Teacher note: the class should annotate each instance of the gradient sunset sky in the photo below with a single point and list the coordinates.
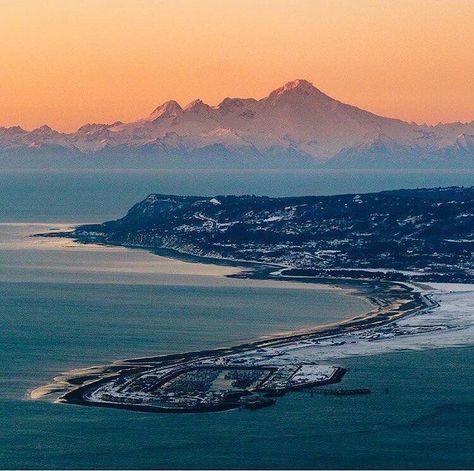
(68, 62)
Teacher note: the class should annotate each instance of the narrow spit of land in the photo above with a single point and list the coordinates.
(249, 375)
(374, 244)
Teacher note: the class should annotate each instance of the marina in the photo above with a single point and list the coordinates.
(229, 378)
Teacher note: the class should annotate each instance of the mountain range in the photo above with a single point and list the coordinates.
(296, 125)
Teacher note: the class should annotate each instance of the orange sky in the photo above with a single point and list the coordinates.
(66, 63)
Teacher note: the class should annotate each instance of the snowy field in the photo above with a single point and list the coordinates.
(450, 324)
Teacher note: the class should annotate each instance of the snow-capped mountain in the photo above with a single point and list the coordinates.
(296, 123)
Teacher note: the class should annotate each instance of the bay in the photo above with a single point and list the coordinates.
(96, 195)
(65, 306)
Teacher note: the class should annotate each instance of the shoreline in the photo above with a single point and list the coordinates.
(390, 300)
(122, 368)
(357, 287)
(259, 270)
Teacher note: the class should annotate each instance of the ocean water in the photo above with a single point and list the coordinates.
(64, 306)
(426, 420)
(97, 195)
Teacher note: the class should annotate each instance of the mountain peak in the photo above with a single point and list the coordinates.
(297, 121)
(298, 83)
(167, 110)
(230, 105)
(197, 106)
(44, 130)
(300, 86)
(13, 130)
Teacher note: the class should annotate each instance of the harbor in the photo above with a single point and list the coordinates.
(248, 376)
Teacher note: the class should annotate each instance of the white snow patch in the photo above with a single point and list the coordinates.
(452, 287)
(273, 218)
(451, 324)
(312, 373)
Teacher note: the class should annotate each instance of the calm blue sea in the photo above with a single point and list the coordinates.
(96, 195)
(64, 306)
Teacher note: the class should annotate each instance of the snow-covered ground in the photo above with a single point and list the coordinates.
(313, 373)
(450, 324)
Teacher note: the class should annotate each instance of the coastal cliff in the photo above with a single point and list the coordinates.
(424, 234)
